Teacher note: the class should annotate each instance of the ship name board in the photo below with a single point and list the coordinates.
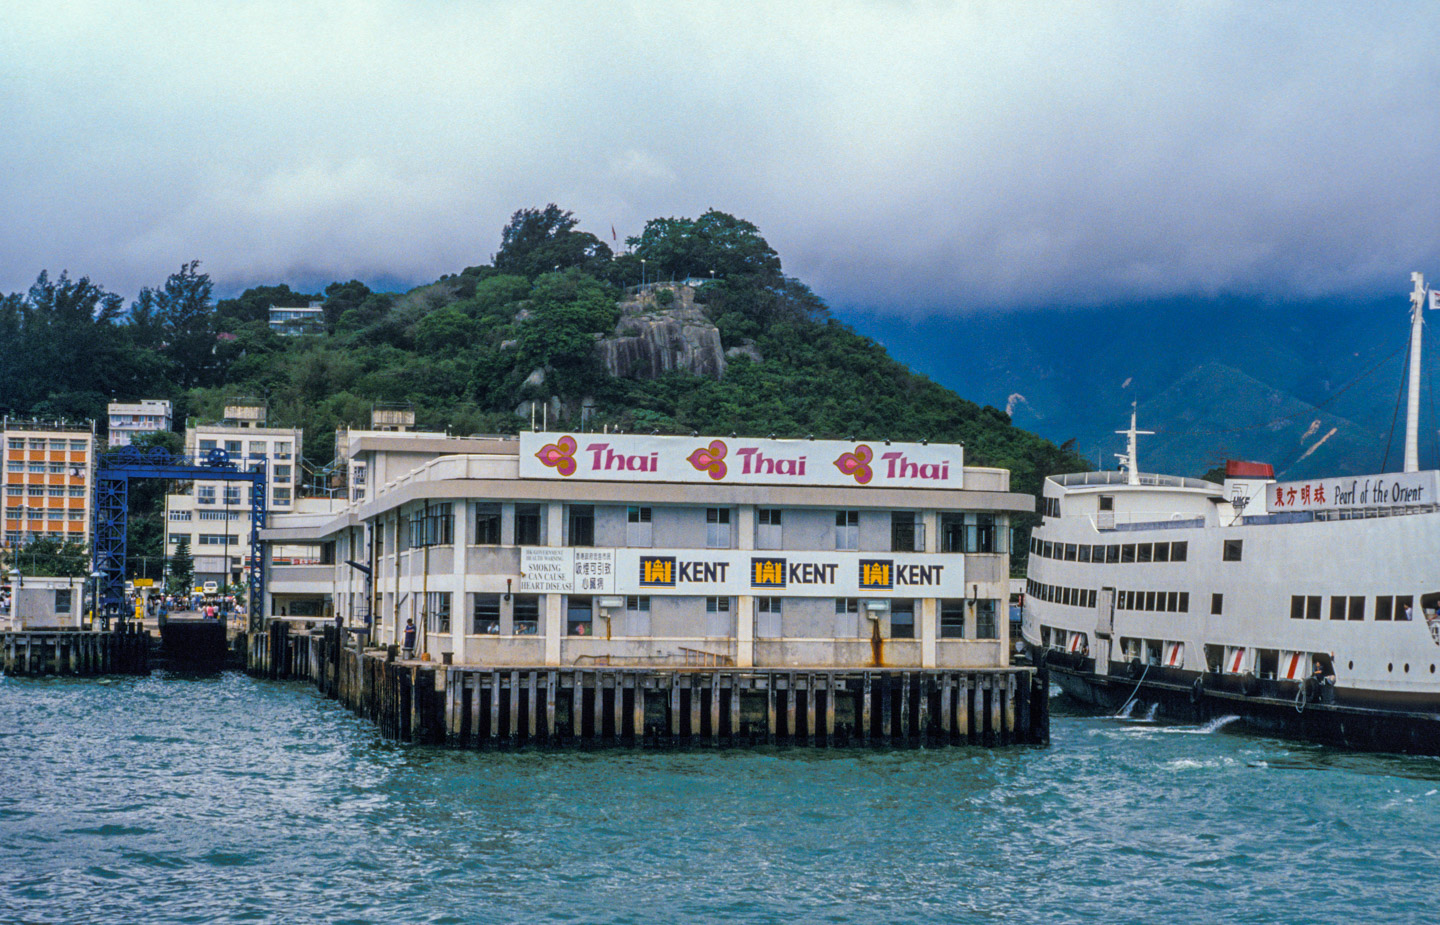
(740, 461)
(1359, 492)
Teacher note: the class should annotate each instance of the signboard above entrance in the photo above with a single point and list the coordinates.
(740, 461)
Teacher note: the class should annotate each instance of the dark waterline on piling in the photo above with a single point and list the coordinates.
(221, 798)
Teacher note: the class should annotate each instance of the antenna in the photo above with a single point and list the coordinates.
(1128, 459)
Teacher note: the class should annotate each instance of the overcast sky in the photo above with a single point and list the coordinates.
(917, 156)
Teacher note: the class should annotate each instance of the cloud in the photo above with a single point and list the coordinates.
(913, 156)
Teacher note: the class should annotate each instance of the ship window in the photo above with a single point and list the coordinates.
(1127, 552)
(1162, 552)
(1217, 603)
(1357, 608)
(1150, 601)
(1337, 608)
(1093, 594)
(1069, 597)
(1174, 602)
(1112, 554)
(1107, 502)
(1383, 607)
(1145, 552)
(1403, 604)
(1070, 552)
(1233, 550)
(1184, 601)
(1297, 607)
(1084, 552)
(1312, 607)
(1048, 551)
(1178, 550)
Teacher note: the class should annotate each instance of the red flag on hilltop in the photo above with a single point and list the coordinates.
(613, 236)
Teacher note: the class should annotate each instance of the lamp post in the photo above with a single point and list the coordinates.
(16, 580)
(642, 272)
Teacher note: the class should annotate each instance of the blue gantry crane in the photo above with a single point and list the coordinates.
(113, 473)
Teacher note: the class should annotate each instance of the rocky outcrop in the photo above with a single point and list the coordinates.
(653, 339)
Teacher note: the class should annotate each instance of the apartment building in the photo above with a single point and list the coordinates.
(48, 473)
(130, 420)
(216, 515)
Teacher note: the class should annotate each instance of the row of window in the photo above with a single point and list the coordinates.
(40, 513)
(1054, 594)
(1388, 607)
(959, 533)
(207, 539)
(41, 491)
(40, 443)
(281, 448)
(579, 615)
(234, 495)
(1110, 553)
(21, 537)
(54, 468)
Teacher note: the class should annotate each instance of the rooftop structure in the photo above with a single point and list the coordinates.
(292, 321)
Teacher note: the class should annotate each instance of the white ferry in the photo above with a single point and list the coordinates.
(1305, 608)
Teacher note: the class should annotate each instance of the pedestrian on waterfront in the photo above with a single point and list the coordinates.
(409, 638)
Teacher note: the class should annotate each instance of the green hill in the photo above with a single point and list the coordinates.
(471, 349)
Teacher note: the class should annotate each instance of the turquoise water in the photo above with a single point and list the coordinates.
(235, 800)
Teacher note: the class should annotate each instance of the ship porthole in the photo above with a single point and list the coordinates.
(1390, 666)
(1352, 665)
(1407, 667)
(1432, 669)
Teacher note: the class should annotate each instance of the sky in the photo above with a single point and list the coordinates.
(919, 158)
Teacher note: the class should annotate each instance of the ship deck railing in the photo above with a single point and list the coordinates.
(1150, 479)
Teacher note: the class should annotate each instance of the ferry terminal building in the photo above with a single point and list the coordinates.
(574, 549)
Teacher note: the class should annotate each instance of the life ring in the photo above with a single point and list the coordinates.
(1135, 668)
(1197, 690)
(1302, 696)
(1249, 684)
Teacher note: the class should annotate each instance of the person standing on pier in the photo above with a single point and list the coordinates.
(409, 638)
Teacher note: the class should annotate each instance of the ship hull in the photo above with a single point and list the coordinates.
(1274, 711)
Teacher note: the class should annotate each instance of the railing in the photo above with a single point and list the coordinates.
(1079, 479)
(701, 658)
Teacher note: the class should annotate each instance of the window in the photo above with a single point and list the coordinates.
(76, 492)
(1107, 502)
(216, 539)
(1384, 607)
(55, 492)
(206, 446)
(579, 616)
(205, 494)
(1127, 552)
(58, 445)
(637, 615)
(1234, 549)
(1403, 605)
(232, 494)
(767, 617)
(487, 523)
(282, 449)
(175, 538)
(437, 606)
(1312, 607)
(1070, 553)
(952, 619)
(35, 491)
(906, 535)
(717, 605)
(581, 525)
(987, 624)
(1085, 552)
(282, 473)
(717, 527)
(847, 605)
(902, 619)
(16, 444)
(1144, 552)
(527, 615)
(487, 615)
(1178, 550)
(257, 449)
(63, 600)
(847, 529)
(1357, 608)
(639, 530)
(529, 525)
(14, 491)
(1162, 552)
(1217, 604)
(767, 528)
(281, 496)
(232, 447)
(1337, 607)
(847, 617)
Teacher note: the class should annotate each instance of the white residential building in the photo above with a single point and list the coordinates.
(129, 420)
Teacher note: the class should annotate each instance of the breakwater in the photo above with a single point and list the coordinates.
(76, 652)
(471, 707)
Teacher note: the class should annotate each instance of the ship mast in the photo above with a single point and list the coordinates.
(1412, 405)
(1128, 459)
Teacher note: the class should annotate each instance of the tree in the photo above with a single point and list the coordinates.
(51, 558)
(182, 568)
(183, 307)
(541, 241)
(678, 248)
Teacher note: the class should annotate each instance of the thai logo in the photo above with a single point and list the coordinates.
(559, 455)
(857, 464)
(710, 459)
